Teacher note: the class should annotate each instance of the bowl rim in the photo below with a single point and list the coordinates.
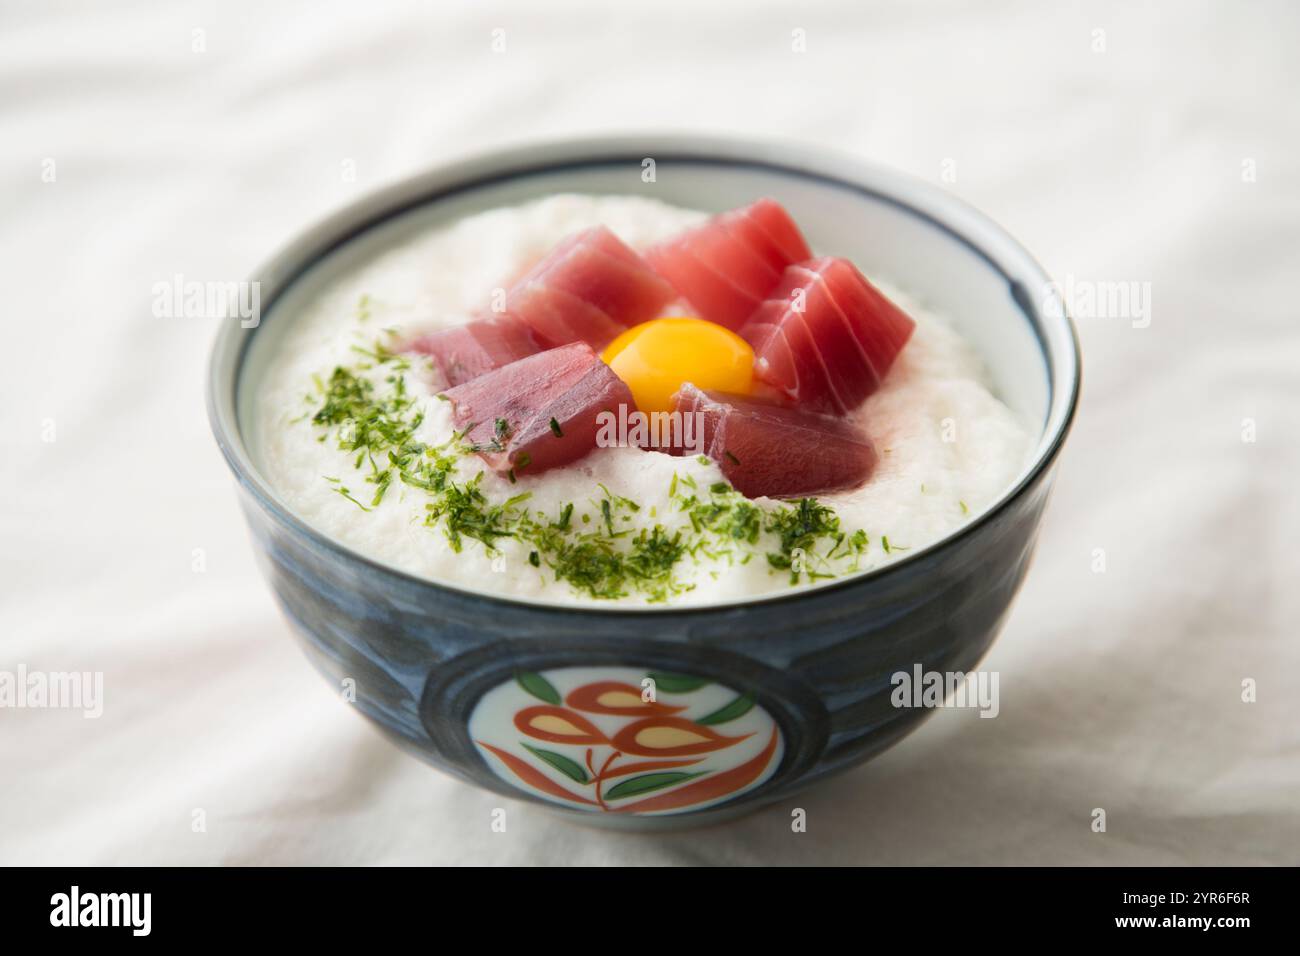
(938, 207)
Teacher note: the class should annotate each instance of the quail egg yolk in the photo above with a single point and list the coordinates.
(657, 357)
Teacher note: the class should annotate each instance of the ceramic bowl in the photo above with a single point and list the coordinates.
(752, 700)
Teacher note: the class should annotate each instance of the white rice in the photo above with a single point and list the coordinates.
(949, 448)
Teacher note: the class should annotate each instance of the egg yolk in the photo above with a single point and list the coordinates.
(657, 357)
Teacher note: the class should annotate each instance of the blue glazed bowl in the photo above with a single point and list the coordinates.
(751, 700)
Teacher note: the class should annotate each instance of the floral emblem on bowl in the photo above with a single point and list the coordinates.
(625, 740)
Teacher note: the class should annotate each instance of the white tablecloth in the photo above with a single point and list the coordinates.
(1156, 144)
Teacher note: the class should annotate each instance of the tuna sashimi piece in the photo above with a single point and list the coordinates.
(779, 229)
(726, 267)
(821, 334)
(716, 294)
(826, 337)
(779, 451)
(556, 317)
(786, 357)
(589, 288)
(540, 411)
(882, 328)
(464, 352)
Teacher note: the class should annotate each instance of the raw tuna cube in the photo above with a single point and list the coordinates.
(787, 359)
(777, 228)
(465, 352)
(539, 412)
(776, 450)
(881, 327)
(589, 288)
(709, 290)
(816, 357)
(729, 265)
(826, 337)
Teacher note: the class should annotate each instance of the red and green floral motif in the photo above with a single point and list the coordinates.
(608, 745)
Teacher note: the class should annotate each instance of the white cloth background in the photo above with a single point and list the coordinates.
(1116, 155)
